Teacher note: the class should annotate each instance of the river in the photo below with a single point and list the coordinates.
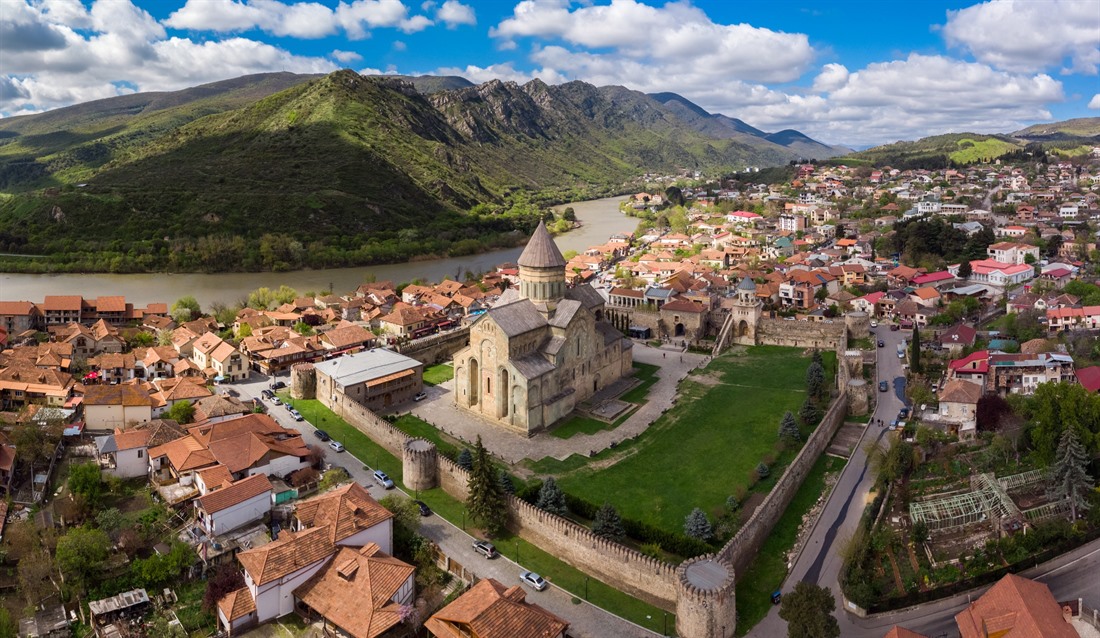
(600, 218)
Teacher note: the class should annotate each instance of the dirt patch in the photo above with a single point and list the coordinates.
(709, 379)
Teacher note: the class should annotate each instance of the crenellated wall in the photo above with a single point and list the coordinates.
(801, 334)
(438, 348)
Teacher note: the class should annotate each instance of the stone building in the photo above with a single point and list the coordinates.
(541, 351)
(376, 378)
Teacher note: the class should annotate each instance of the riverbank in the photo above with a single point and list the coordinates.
(598, 219)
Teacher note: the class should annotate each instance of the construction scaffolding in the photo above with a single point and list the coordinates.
(1049, 510)
(1023, 480)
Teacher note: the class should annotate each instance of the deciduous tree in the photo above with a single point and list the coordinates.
(808, 611)
(227, 578)
(182, 412)
(82, 551)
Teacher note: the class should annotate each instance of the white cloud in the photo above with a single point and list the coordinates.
(1094, 103)
(296, 19)
(398, 45)
(346, 56)
(454, 13)
(1028, 36)
(832, 76)
(670, 39)
(125, 49)
(506, 72)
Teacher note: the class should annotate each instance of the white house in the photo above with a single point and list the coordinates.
(272, 572)
(235, 505)
(124, 454)
(356, 518)
(107, 407)
(1010, 252)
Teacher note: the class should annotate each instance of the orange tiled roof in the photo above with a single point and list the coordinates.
(346, 510)
(132, 439)
(110, 304)
(16, 308)
(490, 610)
(215, 477)
(72, 303)
(237, 604)
(902, 632)
(1015, 607)
(356, 590)
(234, 494)
(292, 552)
(184, 454)
(129, 394)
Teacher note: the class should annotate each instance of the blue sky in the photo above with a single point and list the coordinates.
(852, 72)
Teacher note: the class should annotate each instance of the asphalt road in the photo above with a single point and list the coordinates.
(1069, 576)
(586, 620)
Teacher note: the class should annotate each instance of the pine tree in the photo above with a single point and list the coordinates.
(696, 525)
(465, 459)
(816, 358)
(762, 469)
(809, 413)
(551, 498)
(965, 269)
(608, 524)
(506, 484)
(815, 379)
(914, 352)
(1070, 475)
(486, 501)
(788, 428)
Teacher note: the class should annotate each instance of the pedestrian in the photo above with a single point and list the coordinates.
(681, 358)
(664, 355)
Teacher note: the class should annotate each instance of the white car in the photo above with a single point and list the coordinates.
(336, 445)
(534, 580)
(874, 324)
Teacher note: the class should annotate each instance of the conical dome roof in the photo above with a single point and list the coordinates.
(541, 251)
(746, 284)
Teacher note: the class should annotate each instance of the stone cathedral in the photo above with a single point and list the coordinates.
(540, 351)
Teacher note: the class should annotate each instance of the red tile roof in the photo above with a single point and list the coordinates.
(1089, 378)
(491, 610)
(235, 494)
(237, 604)
(1015, 608)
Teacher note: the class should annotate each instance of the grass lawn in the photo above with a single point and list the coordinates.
(439, 373)
(645, 373)
(449, 508)
(767, 571)
(730, 412)
(415, 426)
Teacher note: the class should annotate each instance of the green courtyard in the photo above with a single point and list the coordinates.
(706, 447)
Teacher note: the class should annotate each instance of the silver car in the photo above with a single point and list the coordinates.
(534, 580)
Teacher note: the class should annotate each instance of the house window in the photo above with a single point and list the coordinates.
(141, 454)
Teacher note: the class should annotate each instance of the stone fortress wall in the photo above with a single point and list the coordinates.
(437, 348)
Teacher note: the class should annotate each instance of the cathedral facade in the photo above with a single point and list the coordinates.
(542, 350)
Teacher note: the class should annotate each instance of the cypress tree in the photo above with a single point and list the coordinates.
(486, 501)
(914, 352)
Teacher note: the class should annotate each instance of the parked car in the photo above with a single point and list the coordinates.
(903, 414)
(874, 324)
(321, 434)
(267, 394)
(297, 415)
(277, 385)
(881, 343)
(894, 327)
(420, 396)
(534, 580)
(383, 480)
(883, 386)
(276, 401)
(486, 549)
(336, 445)
(423, 507)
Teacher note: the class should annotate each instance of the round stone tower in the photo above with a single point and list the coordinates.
(542, 270)
(859, 397)
(858, 324)
(705, 604)
(419, 470)
(303, 381)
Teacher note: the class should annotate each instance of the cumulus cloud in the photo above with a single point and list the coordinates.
(453, 13)
(1094, 103)
(120, 49)
(670, 39)
(832, 76)
(346, 56)
(1029, 36)
(295, 19)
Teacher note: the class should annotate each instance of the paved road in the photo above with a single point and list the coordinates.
(586, 620)
(1069, 576)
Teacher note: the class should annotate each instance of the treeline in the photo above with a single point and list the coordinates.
(935, 242)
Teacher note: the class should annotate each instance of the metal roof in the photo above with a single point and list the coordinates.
(352, 369)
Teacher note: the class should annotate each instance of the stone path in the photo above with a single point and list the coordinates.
(439, 410)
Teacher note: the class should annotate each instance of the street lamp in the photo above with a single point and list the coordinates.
(517, 550)
(464, 519)
(586, 587)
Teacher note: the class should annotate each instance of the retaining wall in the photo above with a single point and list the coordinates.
(801, 334)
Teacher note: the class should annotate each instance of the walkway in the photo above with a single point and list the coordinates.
(439, 410)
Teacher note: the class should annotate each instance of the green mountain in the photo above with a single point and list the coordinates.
(1080, 127)
(282, 171)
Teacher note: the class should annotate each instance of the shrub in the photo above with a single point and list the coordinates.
(762, 470)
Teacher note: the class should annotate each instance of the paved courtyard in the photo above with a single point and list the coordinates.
(439, 410)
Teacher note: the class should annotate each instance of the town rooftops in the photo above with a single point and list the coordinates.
(234, 494)
(59, 303)
(1089, 378)
(362, 367)
(292, 552)
(237, 604)
(347, 510)
(960, 391)
(126, 394)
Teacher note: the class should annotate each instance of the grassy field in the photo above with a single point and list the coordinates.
(533, 558)
(440, 373)
(975, 150)
(730, 412)
(767, 571)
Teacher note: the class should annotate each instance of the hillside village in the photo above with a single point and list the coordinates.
(990, 270)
